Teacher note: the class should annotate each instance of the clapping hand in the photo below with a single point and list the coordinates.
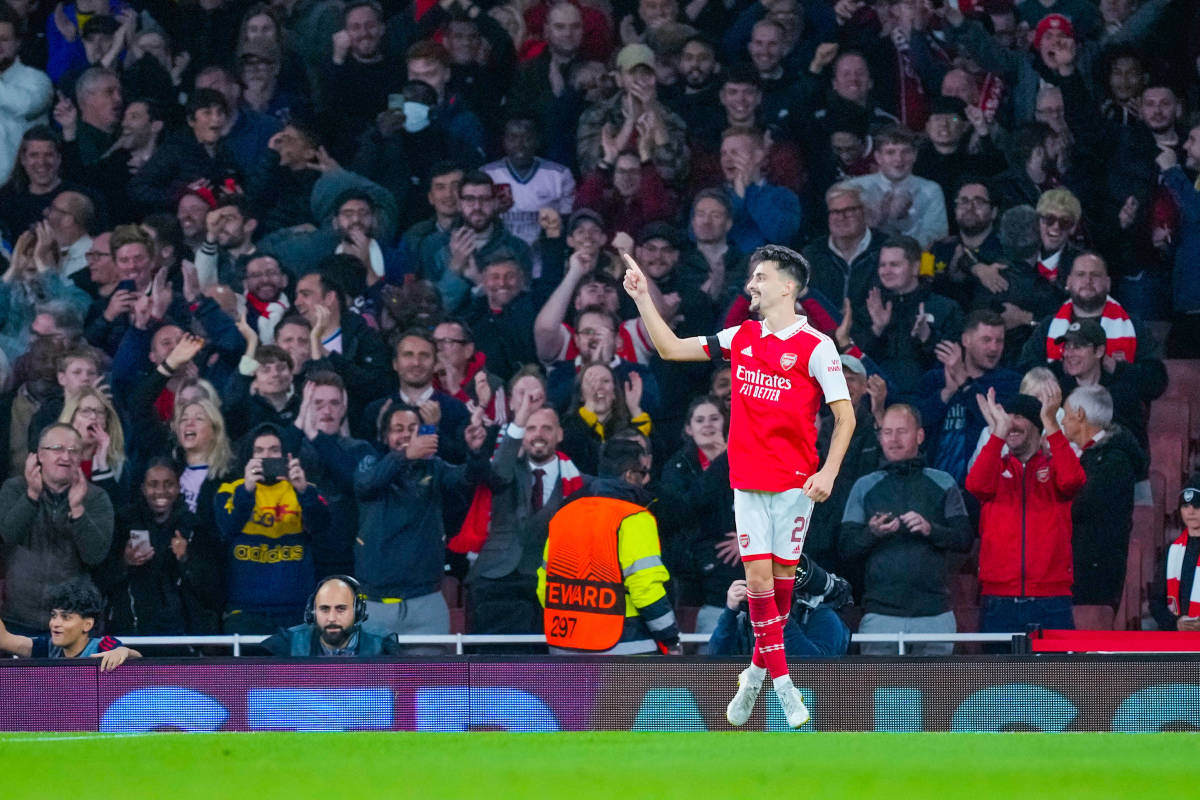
(999, 420)
(879, 311)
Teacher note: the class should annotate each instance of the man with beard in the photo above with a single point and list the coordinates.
(946, 394)
(356, 224)
(976, 250)
(696, 97)
(333, 626)
(25, 92)
(1088, 286)
(532, 479)
(228, 242)
(457, 266)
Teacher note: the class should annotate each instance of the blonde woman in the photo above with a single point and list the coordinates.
(91, 413)
(199, 430)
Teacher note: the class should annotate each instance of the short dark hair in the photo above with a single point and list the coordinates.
(982, 316)
(77, 596)
(910, 246)
(10, 16)
(414, 333)
(1028, 138)
(430, 50)
(477, 177)
(467, 333)
(974, 180)
(787, 261)
(354, 5)
(353, 194)
(326, 377)
(205, 98)
(612, 318)
(619, 456)
(270, 353)
(329, 283)
(742, 73)
(895, 134)
(441, 168)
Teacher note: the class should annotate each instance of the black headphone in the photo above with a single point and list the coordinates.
(360, 600)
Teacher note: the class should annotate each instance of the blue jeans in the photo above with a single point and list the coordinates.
(823, 635)
(1014, 614)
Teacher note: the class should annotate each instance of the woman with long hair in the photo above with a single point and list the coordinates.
(199, 431)
(601, 406)
(92, 415)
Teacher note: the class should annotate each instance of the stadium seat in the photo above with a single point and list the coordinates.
(1169, 418)
(1165, 456)
(1183, 380)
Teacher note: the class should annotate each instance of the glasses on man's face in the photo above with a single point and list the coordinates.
(848, 211)
(58, 449)
(443, 342)
(977, 202)
(1050, 221)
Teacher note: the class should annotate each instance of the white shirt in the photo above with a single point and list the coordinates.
(190, 482)
(74, 258)
(926, 221)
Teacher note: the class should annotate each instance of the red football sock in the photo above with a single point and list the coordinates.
(768, 633)
(783, 598)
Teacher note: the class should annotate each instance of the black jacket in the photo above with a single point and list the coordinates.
(177, 162)
(400, 549)
(901, 356)
(365, 365)
(300, 641)
(906, 572)
(1187, 577)
(694, 512)
(835, 279)
(505, 337)
(164, 596)
(1102, 517)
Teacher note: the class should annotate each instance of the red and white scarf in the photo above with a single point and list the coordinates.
(1116, 324)
(1174, 570)
(475, 527)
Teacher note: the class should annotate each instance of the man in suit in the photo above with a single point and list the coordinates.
(530, 481)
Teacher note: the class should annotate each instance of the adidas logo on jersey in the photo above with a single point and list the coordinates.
(746, 351)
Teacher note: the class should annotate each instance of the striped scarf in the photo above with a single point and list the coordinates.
(1116, 323)
(1174, 570)
(474, 531)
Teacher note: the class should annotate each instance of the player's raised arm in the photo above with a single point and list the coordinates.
(668, 345)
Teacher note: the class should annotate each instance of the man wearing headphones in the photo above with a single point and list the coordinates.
(333, 625)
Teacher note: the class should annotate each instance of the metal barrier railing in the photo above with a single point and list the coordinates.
(459, 640)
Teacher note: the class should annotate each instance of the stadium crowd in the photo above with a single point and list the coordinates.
(317, 288)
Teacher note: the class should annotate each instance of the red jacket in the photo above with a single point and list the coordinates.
(1025, 521)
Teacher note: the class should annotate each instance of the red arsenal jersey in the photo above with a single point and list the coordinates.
(779, 380)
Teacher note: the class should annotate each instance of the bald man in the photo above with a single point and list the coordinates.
(332, 626)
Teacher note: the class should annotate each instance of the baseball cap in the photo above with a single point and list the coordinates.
(1190, 496)
(853, 364)
(632, 55)
(1027, 406)
(1052, 22)
(660, 230)
(581, 215)
(1085, 331)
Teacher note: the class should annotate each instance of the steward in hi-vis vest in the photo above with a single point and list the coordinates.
(602, 583)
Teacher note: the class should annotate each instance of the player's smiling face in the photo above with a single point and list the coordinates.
(768, 288)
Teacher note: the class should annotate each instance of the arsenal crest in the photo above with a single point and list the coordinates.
(787, 360)
(744, 538)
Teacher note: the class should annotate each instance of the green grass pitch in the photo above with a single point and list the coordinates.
(697, 766)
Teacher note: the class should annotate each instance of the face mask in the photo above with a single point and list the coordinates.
(416, 116)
